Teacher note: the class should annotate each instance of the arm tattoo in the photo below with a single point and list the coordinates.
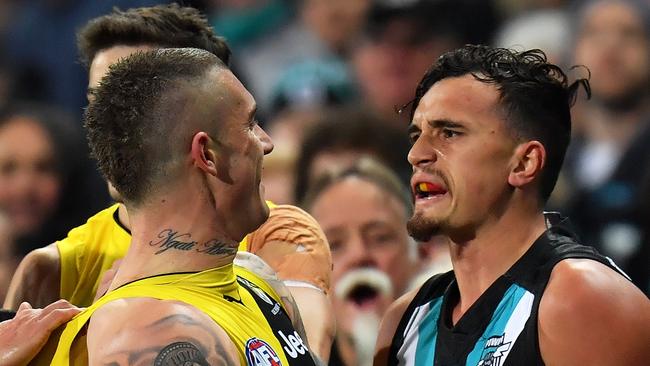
(170, 239)
(224, 357)
(187, 350)
(180, 354)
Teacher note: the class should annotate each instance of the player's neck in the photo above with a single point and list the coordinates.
(178, 234)
(498, 243)
(123, 216)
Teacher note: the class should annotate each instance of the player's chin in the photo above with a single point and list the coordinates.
(422, 227)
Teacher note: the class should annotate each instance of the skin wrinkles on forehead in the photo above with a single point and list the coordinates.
(379, 195)
(492, 106)
(366, 227)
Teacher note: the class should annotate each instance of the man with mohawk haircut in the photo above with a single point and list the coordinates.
(175, 133)
(290, 241)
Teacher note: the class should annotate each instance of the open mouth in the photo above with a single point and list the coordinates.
(363, 294)
(425, 190)
(364, 288)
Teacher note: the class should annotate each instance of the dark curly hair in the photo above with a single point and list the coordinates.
(535, 96)
(168, 26)
(132, 123)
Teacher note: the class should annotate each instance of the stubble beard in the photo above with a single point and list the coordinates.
(422, 228)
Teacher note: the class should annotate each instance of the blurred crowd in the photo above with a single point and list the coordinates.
(333, 80)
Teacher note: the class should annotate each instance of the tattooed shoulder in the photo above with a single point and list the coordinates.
(163, 333)
(180, 354)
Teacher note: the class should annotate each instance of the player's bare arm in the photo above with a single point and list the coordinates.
(318, 319)
(591, 315)
(36, 280)
(145, 331)
(388, 326)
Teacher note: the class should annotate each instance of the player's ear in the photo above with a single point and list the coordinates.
(211, 157)
(528, 161)
(203, 157)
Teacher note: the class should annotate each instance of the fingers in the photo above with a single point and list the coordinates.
(60, 304)
(57, 317)
(57, 313)
(24, 306)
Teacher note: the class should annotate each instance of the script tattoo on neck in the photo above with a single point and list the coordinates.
(216, 247)
(170, 239)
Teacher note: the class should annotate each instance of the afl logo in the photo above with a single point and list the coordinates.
(260, 353)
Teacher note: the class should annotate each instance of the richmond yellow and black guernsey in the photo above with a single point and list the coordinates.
(242, 303)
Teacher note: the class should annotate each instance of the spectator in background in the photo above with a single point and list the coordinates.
(40, 42)
(8, 257)
(6, 80)
(605, 165)
(279, 173)
(322, 31)
(40, 48)
(399, 41)
(513, 8)
(299, 100)
(336, 22)
(343, 136)
(36, 153)
(546, 29)
(312, 85)
(244, 22)
(363, 211)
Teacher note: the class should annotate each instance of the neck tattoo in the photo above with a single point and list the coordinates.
(170, 239)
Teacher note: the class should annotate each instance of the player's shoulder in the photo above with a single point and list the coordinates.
(42, 260)
(389, 324)
(36, 279)
(575, 283)
(590, 312)
(39, 265)
(288, 223)
(285, 211)
(396, 310)
(136, 326)
(135, 310)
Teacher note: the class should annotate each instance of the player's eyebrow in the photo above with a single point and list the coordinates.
(440, 123)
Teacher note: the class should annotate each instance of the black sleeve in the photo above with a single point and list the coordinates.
(6, 314)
